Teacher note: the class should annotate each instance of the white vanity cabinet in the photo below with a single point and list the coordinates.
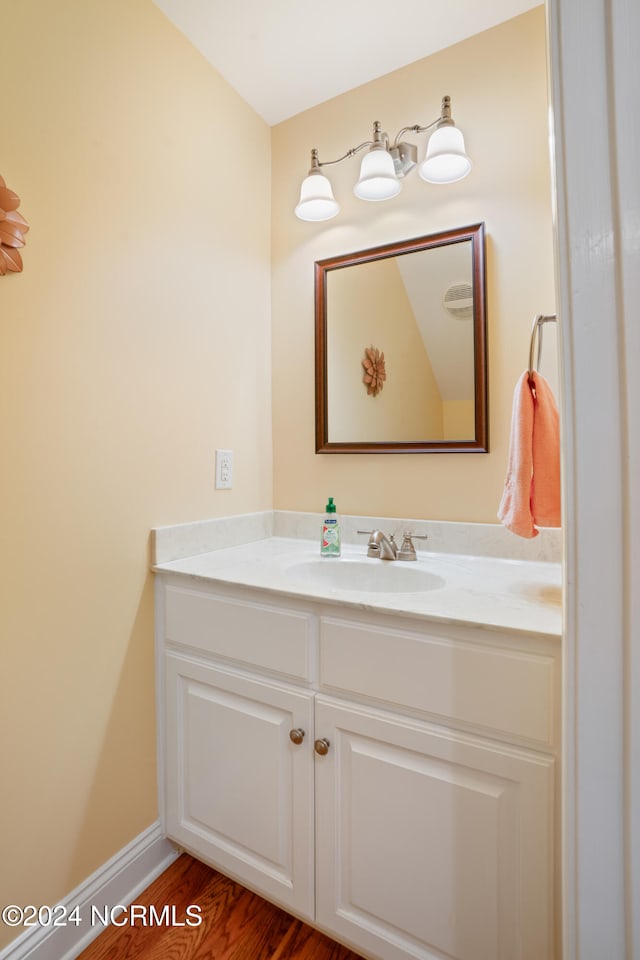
(421, 825)
(239, 792)
(430, 844)
(237, 789)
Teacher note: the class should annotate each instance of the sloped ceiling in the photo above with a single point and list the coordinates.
(284, 56)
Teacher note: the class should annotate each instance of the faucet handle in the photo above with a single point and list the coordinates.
(407, 551)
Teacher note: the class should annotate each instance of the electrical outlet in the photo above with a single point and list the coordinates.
(224, 469)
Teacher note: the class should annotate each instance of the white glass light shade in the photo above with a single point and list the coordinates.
(446, 160)
(378, 179)
(316, 199)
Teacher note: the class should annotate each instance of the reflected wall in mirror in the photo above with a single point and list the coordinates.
(422, 304)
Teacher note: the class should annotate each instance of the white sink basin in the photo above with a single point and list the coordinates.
(364, 575)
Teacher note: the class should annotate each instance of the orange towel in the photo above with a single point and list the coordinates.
(532, 488)
(545, 483)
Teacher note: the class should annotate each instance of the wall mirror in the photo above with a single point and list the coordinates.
(401, 347)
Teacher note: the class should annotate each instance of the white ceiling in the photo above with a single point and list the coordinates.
(284, 56)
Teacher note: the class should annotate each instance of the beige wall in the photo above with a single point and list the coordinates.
(136, 340)
(497, 81)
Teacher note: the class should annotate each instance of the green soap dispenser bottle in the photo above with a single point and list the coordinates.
(330, 540)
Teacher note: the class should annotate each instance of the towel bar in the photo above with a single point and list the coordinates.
(537, 329)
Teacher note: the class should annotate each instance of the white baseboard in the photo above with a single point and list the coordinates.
(118, 881)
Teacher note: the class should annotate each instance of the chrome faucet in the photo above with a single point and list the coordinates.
(381, 546)
(385, 548)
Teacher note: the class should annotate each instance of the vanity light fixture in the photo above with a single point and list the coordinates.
(384, 166)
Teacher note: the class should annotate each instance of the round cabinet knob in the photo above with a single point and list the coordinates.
(296, 736)
(322, 747)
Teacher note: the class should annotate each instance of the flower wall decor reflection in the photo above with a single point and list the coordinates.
(374, 370)
(13, 227)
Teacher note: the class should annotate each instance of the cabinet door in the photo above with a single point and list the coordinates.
(431, 844)
(238, 791)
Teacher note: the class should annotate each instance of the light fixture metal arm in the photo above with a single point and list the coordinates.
(350, 153)
(379, 138)
(416, 128)
(444, 120)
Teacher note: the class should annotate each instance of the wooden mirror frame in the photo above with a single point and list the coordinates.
(480, 444)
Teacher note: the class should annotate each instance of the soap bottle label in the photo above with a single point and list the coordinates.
(330, 544)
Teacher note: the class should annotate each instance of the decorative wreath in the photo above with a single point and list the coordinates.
(374, 370)
(13, 227)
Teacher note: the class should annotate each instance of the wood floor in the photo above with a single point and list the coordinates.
(236, 924)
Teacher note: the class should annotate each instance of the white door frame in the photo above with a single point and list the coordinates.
(595, 97)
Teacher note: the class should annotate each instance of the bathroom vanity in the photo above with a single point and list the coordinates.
(378, 756)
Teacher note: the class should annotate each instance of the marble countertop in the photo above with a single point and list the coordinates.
(501, 594)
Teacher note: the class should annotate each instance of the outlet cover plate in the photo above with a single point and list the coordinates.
(224, 469)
